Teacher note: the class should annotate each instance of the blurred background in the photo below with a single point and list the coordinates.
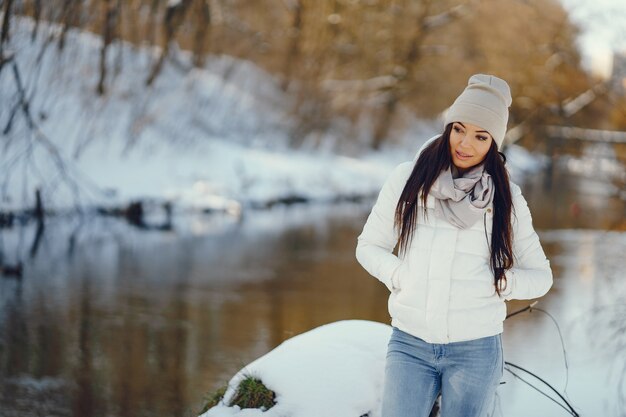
(182, 183)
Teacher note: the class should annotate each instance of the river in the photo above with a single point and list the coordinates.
(109, 320)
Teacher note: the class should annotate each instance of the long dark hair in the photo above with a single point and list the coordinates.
(435, 158)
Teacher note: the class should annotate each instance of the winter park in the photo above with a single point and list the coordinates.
(198, 201)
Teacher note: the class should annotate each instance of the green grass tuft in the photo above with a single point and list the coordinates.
(213, 399)
(251, 393)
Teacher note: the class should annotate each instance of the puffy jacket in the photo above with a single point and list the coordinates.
(442, 289)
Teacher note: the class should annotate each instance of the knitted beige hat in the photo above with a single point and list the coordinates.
(484, 102)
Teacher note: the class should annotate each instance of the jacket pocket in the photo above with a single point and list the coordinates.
(397, 276)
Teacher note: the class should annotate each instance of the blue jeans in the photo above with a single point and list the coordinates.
(465, 373)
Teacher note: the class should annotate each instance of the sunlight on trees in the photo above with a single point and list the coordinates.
(368, 62)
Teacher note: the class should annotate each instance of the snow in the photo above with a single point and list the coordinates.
(214, 138)
(333, 370)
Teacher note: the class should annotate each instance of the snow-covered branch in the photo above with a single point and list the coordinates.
(442, 19)
(371, 84)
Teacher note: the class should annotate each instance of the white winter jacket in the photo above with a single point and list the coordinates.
(442, 290)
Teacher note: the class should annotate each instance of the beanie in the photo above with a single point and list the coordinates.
(484, 102)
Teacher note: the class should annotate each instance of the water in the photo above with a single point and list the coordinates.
(112, 321)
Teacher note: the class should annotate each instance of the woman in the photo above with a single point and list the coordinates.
(465, 245)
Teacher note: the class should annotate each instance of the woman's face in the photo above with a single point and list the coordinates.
(469, 145)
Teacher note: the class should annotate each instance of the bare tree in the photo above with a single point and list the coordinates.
(37, 10)
(174, 17)
(152, 22)
(368, 61)
(6, 21)
(403, 69)
(70, 18)
(111, 11)
(202, 22)
(295, 30)
(38, 139)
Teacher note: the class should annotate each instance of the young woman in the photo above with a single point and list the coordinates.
(465, 245)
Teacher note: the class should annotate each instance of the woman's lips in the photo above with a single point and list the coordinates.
(462, 155)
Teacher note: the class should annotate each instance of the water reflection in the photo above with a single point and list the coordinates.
(151, 321)
(574, 203)
(109, 320)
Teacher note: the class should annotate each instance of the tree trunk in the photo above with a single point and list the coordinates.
(202, 17)
(173, 18)
(36, 18)
(6, 21)
(71, 12)
(410, 60)
(293, 51)
(384, 122)
(110, 14)
(154, 8)
(39, 213)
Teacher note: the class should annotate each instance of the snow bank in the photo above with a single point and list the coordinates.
(214, 138)
(335, 370)
(209, 138)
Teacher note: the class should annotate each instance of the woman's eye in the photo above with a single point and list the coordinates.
(483, 138)
(457, 129)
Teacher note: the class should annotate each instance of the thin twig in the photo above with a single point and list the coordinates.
(571, 409)
(558, 328)
(539, 391)
(528, 307)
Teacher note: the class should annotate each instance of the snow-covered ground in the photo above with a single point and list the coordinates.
(333, 370)
(211, 138)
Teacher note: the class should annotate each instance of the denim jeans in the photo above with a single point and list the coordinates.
(465, 373)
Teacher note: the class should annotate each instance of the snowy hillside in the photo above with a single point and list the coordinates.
(202, 139)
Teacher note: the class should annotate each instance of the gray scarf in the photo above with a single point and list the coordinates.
(462, 201)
